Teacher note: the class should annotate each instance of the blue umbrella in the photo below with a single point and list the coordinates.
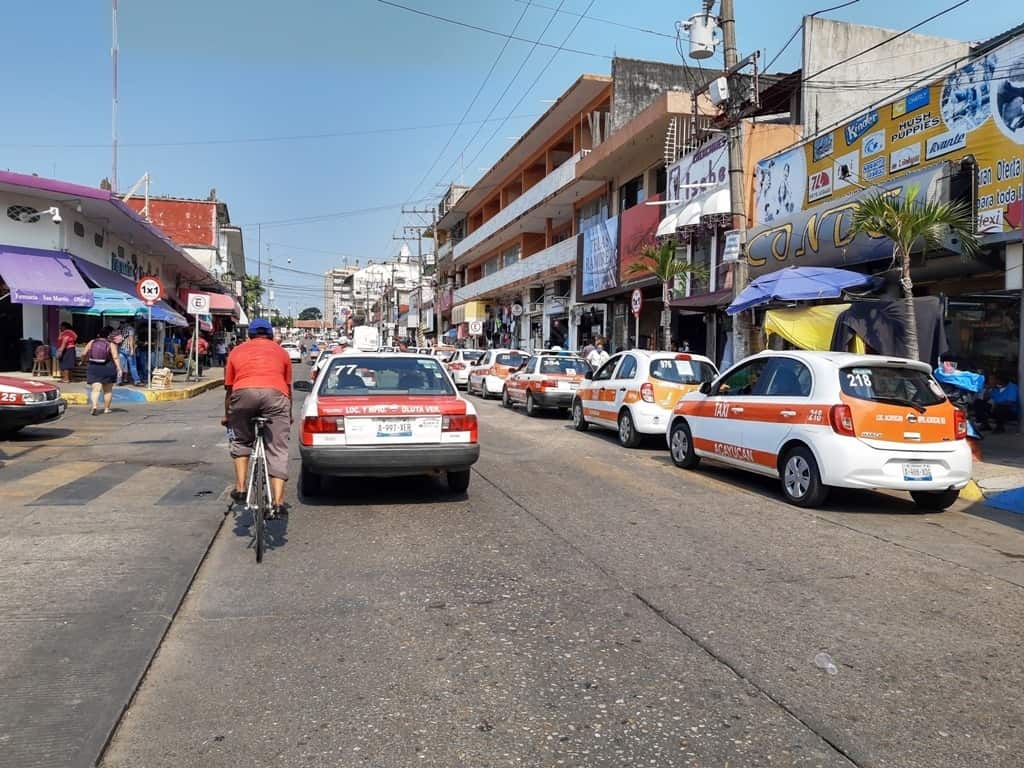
(110, 303)
(799, 284)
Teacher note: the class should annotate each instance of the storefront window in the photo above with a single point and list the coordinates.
(983, 332)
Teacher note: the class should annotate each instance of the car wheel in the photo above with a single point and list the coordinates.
(801, 480)
(458, 482)
(483, 389)
(681, 446)
(531, 406)
(936, 501)
(505, 400)
(312, 483)
(579, 423)
(628, 435)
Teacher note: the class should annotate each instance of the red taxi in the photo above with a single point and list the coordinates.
(548, 380)
(26, 402)
(377, 414)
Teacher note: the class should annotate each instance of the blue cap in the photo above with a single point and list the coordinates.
(260, 326)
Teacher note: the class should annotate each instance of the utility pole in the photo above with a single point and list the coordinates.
(419, 229)
(741, 322)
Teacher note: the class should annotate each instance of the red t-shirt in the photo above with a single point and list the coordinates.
(67, 339)
(259, 364)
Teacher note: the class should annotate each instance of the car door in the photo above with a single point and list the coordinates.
(624, 387)
(717, 425)
(779, 404)
(476, 373)
(518, 381)
(595, 406)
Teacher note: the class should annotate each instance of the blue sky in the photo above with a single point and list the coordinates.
(234, 70)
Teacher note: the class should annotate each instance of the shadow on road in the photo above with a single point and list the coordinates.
(277, 529)
(342, 492)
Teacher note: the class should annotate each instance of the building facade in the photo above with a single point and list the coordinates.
(339, 295)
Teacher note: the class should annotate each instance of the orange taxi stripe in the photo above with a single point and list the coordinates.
(597, 413)
(736, 452)
(766, 412)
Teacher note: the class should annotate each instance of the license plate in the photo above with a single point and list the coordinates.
(566, 385)
(394, 429)
(368, 431)
(917, 471)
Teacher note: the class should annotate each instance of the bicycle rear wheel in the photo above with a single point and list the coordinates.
(261, 506)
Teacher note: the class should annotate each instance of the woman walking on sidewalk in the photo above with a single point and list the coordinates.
(104, 369)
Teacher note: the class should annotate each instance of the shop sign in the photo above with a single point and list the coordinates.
(824, 236)
(597, 255)
(844, 169)
(990, 220)
(733, 244)
(978, 110)
(696, 173)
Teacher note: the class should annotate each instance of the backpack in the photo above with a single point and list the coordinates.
(99, 352)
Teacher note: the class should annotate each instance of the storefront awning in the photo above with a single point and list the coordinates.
(111, 303)
(220, 304)
(704, 301)
(667, 226)
(104, 278)
(36, 276)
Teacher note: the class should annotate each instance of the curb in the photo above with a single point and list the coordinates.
(165, 395)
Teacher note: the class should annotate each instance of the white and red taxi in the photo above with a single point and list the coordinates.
(26, 402)
(634, 392)
(548, 380)
(818, 420)
(488, 375)
(460, 362)
(386, 414)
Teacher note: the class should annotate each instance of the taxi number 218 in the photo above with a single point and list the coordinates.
(815, 416)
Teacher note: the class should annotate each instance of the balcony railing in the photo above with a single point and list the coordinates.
(561, 254)
(561, 177)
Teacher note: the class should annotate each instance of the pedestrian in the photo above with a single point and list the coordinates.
(598, 356)
(1000, 403)
(585, 352)
(103, 368)
(222, 352)
(203, 348)
(128, 350)
(66, 351)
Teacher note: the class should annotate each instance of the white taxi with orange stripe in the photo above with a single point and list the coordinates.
(377, 414)
(818, 420)
(488, 375)
(634, 392)
(548, 380)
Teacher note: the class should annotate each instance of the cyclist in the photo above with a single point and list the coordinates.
(258, 382)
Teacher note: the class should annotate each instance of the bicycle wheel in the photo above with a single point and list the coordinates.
(262, 503)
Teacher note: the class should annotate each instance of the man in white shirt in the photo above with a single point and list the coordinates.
(598, 357)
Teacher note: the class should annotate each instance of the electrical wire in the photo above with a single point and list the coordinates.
(258, 139)
(603, 21)
(490, 31)
(801, 26)
(327, 216)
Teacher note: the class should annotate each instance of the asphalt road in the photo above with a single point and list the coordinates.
(588, 605)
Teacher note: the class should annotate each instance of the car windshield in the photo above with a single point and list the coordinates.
(894, 385)
(678, 371)
(510, 359)
(376, 376)
(472, 355)
(569, 366)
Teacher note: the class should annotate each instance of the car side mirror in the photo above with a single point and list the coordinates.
(705, 388)
(588, 375)
(303, 386)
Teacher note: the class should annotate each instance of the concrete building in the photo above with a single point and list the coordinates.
(380, 291)
(339, 293)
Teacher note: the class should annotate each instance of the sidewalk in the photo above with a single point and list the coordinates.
(77, 393)
(999, 477)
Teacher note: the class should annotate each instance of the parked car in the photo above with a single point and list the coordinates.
(26, 402)
(460, 362)
(386, 415)
(548, 380)
(488, 375)
(634, 392)
(818, 420)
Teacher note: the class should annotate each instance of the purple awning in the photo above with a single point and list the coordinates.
(36, 276)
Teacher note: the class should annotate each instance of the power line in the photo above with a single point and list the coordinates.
(888, 40)
(259, 139)
(490, 31)
(472, 102)
(801, 26)
(536, 79)
(603, 21)
(327, 216)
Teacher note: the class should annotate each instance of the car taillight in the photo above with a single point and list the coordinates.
(959, 424)
(465, 423)
(456, 366)
(549, 384)
(841, 418)
(647, 392)
(320, 425)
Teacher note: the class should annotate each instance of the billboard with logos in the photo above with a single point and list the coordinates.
(598, 257)
(976, 110)
(694, 174)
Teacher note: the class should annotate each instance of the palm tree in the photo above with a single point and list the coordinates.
(252, 294)
(912, 222)
(661, 261)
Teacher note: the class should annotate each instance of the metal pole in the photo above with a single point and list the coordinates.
(149, 346)
(741, 322)
(195, 346)
(636, 338)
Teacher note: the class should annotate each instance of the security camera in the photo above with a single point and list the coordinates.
(55, 212)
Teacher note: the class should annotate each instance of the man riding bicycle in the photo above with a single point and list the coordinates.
(258, 383)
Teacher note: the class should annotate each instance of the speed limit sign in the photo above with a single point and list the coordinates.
(636, 302)
(150, 290)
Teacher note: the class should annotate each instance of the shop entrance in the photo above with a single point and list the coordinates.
(11, 330)
(983, 330)
(692, 330)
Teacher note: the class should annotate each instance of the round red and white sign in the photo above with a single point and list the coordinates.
(150, 290)
(636, 302)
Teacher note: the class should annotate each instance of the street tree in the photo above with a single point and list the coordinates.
(663, 262)
(913, 222)
(311, 313)
(252, 294)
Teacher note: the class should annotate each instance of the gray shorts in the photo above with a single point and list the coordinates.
(246, 404)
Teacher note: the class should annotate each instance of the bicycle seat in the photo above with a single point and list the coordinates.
(260, 421)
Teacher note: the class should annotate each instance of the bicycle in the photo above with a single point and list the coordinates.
(257, 494)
